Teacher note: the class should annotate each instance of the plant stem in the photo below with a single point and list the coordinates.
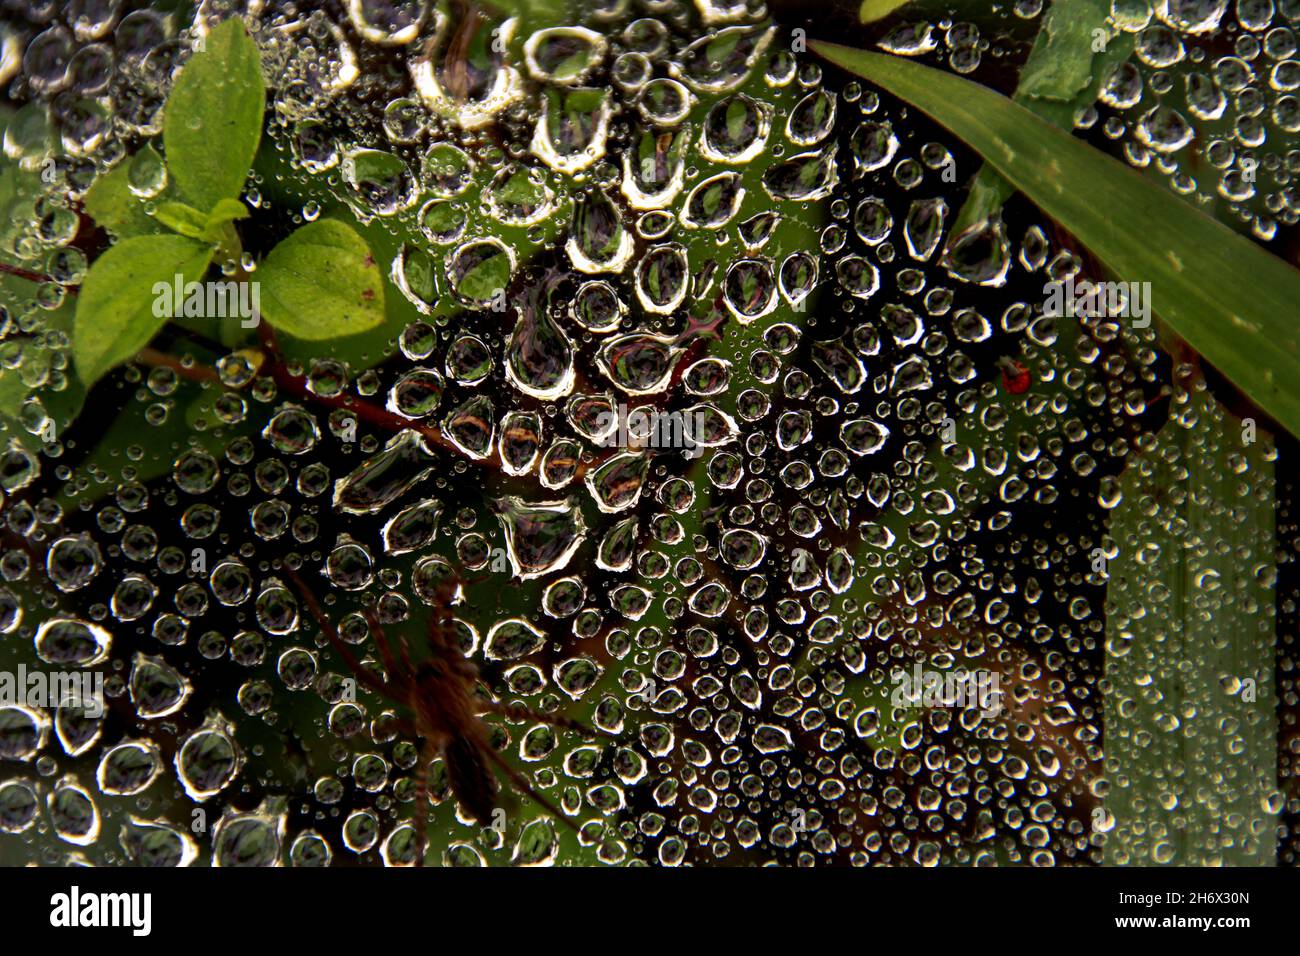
(297, 386)
(30, 276)
(373, 414)
(195, 373)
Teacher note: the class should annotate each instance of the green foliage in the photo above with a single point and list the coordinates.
(213, 118)
(188, 221)
(1175, 677)
(322, 283)
(110, 202)
(227, 210)
(1230, 299)
(1064, 62)
(1061, 78)
(183, 219)
(116, 310)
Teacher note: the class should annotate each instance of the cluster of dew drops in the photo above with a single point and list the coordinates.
(868, 487)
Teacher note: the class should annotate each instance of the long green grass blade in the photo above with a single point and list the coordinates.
(1232, 301)
(1190, 704)
(1075, 51)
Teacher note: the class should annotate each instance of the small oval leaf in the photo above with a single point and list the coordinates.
(116, 314)
(111, 204)
(213, 118)
(183, 219)
(322, 282)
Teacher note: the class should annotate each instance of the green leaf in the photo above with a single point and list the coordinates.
(1060, 65)
(112, 205)
(184, 219)
(227, 210)
(1232, 301)
(1062, 76)
(116, 307)
(873, 10)
(1190, 702)
(210, 227)
(322, 282)
(213, 118)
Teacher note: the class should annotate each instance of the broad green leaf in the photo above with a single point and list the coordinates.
(188, 221)
(1190, 703)
(322, 282)
(147, 172)
(112, 205)
(220, 228)
(1061, 64)
(116, 310)
(1232, 301)
(183, 219)
(1062, 76)
(213, 118)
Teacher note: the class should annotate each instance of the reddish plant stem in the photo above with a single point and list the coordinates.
(30, 276)
(365, 411)
(375, 415)
(195, 373)
(296, 385)
(372, 414)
